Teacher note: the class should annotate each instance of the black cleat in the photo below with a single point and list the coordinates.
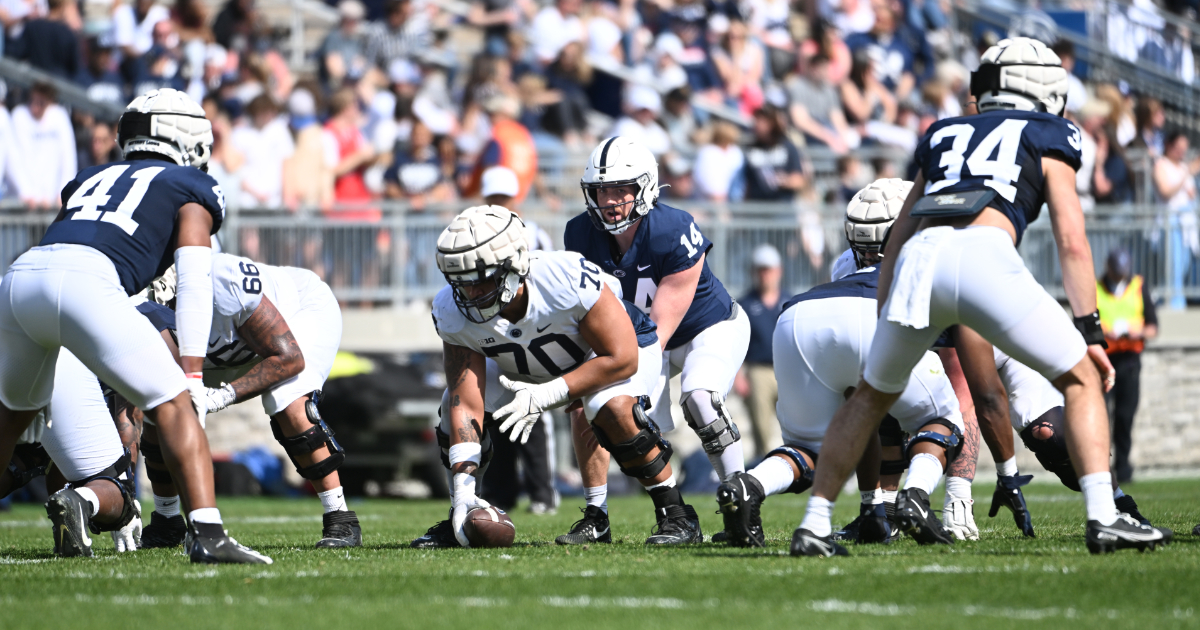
(207, 547)
(592, 528)
(440, 536)
(720, 537)
(1125, 533)
(164, 532)
(340, 529)
(677, 525)
(1127, 505)
(69, 515)
(849, 533)
(806, 543)
(915, 517)
(1008, 494)
(1196, 530)
(740, 500)
(874, 527)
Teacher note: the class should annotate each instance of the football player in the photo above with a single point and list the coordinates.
(951, 259)
(659, 256)
(121, 225)
(525, 333)
(275, 332)
(821, 342)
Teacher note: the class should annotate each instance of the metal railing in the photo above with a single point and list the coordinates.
(391, 261)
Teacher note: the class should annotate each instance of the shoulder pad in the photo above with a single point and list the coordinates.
(446, 317)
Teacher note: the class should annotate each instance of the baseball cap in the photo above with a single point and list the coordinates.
(767, 256)
(500, 180)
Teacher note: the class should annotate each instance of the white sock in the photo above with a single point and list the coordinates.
(167, 506)
(1118, 493)
(333, 500)
(1007, 468)
(774, 474)
(91, 498)
(958, 488)
(924, 472)
(889, 496)
(205, 515)
(669, 483)
(1098, 496)
(597, 496)
(872, 497)
(816, 516)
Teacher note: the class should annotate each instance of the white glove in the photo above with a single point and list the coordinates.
(129, 538)
(199, 393)
(464, 501)
(529, 401)
(219, 398)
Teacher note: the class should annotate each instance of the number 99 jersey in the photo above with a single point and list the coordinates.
(1000, 151)
(546, 343)
(127, 211)
(239, 286)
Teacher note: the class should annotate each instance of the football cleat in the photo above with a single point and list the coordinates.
(677, 525)
(164, 532)
(806, 543)
(69, 515)
(740, 500)
(592, 528)
(537, 508)
(1125, 533)
(206, 547)
(960, 519)
(1127, 505)
(915, 517)
(849, 533)
(440, 536)
(340, 529)
(1196, 530)
(720, 537)
(1008, 494)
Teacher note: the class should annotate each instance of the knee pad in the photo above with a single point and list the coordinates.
(29, 461)
(485, 446)
(1052, 452)
(314, 438)
(121, 475)
(890, 433)
(951, 443)
(710, 420)
(646, 439)
(153, 454)
(806, 472)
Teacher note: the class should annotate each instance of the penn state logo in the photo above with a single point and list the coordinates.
(949, 200)
(516, 333)
(620, 273)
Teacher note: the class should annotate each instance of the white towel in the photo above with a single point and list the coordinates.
(912, 284)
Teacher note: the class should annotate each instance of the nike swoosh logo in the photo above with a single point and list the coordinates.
(544, 327)
(919, 510)
(600, 533)
(214, 343)
(745, 495)
(641, 268)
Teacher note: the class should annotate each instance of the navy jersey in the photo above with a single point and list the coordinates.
(667, 241)
(126, 210)
(1001, 151)
(861, 284)
(162, 317)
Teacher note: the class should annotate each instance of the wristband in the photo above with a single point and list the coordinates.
(199, 375)
(465, 452)
(1089, 327)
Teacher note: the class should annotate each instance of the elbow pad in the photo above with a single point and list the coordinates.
(193, 299)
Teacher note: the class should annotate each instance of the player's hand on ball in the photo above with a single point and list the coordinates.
(219, 398)
(461, 505)
(129, 538)
(1108, 374)
(528, 403)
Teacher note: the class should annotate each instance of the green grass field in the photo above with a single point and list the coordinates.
(999, 582)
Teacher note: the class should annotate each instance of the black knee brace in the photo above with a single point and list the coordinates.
(806, 472)
(890, 434)
(717, 435)
(1052, 452)
(647, 438)
(314, 438)
(29, 461)
(120, 473)
(485, 450)
(952, 443)
(154, 455)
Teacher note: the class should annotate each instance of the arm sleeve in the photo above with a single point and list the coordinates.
(194, 299)
(1149, 312)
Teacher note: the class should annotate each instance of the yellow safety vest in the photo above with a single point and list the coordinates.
(1122, 316)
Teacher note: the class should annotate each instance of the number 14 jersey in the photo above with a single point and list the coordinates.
(546, 343)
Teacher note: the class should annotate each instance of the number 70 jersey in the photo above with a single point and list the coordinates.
(127, 211)
(1000, 151)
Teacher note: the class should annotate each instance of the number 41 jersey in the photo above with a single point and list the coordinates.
(1000, 151)
(545, 344)
(127, 210)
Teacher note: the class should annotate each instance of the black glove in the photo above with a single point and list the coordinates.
(1008, 494)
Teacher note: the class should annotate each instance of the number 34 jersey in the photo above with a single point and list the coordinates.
(127, 211)
(1000, 151)
(546, 343)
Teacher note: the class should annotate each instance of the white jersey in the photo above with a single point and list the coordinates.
(546, 343)
(1030, 395)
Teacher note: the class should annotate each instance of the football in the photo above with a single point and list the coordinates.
(489, 527)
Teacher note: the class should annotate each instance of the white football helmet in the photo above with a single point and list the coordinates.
(161, 289)
(484, 244)
(620, 161)
(1020, 73)
(167, 122)
(870, 215)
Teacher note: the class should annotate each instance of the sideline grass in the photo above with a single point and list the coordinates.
(999, 582)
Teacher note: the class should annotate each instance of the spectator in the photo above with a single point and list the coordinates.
(870, 105)
(402, 34)
(1112, 180)
(49, 44)
(1128, 318)
(416, 171)
(1076, 93)
(12, 173)
(191, 21)
(266, 142)
(511, 145)
(236, 26)
(569, 77)
(1175, 186)
(343, 55)
(1121, 114)
(774, 171)
(46, 139)
(554, 27)
(679, 120)
(307, 181)
(348, 155)
(1150, 119)
(226, 162)
(740, 63)
(101, 146)
(643, 105)
(755, 382)
(717, 172)
(816, 110)
(692, 55)
(162, 71)
(100, 77)
(133, 26)
(890, 54)
(497, 19)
